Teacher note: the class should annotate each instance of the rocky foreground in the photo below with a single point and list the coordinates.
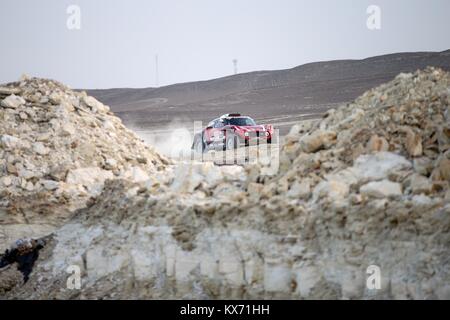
(366, 185)
(57, 147)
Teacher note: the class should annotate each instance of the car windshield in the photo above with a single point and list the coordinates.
(240, 122)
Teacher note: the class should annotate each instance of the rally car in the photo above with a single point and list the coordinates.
(231, 131)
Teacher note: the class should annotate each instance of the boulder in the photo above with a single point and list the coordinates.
(55, 98)
(381, 189)
(67, 129)
(136, 174)
(332, 189)
(377, 144)
(6, 181)
(50, 184)
(95, 105)
(12, 102)
(7, 91)
(10, 142)
(300, 190)
(40, 148)
(379, 166)
(91, 178)
(442, 170)
(110, 164)
(413, 143)
(318, 140)
(418, 184)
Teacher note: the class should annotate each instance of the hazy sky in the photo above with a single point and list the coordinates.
(198, 39)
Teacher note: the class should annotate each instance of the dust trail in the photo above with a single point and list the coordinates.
(173, 140)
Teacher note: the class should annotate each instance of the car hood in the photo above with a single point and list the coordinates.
(251, 128)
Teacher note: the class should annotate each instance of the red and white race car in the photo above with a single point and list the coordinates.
(229, 132)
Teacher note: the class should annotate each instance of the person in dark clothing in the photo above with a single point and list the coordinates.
(24, 252)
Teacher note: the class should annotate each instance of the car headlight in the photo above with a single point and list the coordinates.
(246, 134)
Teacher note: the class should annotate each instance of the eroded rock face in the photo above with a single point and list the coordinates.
(366, 185)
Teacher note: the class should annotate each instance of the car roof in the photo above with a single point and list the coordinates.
(233, 115)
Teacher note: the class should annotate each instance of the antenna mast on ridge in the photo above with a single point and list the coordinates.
(156, 71)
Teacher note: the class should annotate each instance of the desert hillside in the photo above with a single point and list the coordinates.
(280, 97)
(368, 184)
